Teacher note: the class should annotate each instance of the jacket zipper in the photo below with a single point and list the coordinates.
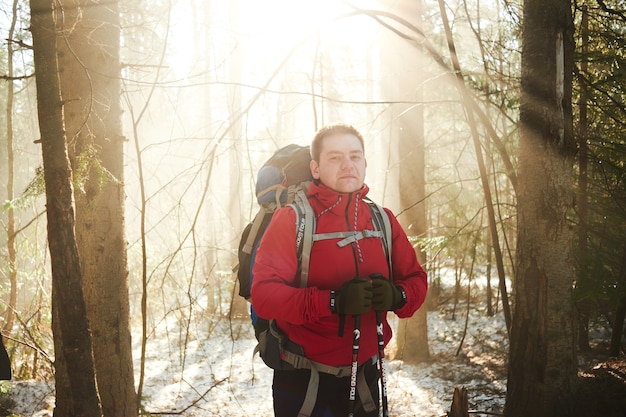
(348, 222)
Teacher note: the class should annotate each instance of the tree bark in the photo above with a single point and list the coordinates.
(90, 86)
(72, 338)
(583, 283)
(460, 403)
(542, 358)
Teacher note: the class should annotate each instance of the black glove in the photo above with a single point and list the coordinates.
(385, 295)
(354, 297)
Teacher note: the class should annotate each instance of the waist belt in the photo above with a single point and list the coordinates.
(301, 362)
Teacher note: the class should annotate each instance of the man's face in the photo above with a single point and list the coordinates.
(342, 163)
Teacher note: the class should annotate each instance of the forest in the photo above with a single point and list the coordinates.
(132, 134)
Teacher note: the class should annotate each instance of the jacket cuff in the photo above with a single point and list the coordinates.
(325, 301)
(402, 301)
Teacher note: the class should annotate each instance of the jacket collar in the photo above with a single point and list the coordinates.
(331, 198)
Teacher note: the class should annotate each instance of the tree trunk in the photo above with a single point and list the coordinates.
(488, 291)
(10, 225)
(72, 338)
(412, 333)
(583, 282)
(617, 329)
(412, 337)
(90, 87)
(620, 311)
(542, 358)
(460, 403)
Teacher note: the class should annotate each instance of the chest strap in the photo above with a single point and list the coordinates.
(348, 237)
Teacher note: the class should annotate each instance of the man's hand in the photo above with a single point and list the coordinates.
(354, 297)
(385, 295)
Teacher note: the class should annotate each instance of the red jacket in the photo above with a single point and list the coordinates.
(304, 313)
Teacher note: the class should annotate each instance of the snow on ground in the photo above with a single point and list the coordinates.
(217, 375)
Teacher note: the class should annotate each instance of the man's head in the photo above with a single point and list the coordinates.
(338, 157)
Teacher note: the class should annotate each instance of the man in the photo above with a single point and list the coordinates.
(340, 286)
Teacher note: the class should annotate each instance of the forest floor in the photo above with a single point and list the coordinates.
(219, 376)
(601, 384)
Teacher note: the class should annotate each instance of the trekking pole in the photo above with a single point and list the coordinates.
(381, 362)
(356, 338)
(381, 356)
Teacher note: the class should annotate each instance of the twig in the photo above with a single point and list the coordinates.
(192, 404)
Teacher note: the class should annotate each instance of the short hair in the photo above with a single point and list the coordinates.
(331, 129)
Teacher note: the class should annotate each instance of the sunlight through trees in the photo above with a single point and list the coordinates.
(165, 136)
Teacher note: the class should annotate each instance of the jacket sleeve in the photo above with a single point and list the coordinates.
(276, 289)
(407, 271)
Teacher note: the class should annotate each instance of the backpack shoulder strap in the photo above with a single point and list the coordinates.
(382, 223)
(305, 225)
(305, 232)
(256, 225)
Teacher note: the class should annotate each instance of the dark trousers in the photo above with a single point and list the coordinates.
(289, 390)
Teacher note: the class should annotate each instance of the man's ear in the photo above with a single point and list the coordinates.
(315, 169)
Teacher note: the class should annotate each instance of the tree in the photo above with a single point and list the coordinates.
(583, 306)
(10, 225)
(412, 345)
(72, 335)
(542, 358)
(601, 207)
(90, 85)
(407, 135)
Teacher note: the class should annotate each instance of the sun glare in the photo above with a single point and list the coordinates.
(267, 30)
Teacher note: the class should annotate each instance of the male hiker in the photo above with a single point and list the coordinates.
(349, 286)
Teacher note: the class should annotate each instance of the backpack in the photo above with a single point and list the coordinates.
(277, 183)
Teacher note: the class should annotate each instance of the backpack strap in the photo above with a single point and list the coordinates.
(382, 230)
(302, 362)
(382, 223)
(305, 237)
(350, 237)
(293, 355)
(248, 247)
(305, 224)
